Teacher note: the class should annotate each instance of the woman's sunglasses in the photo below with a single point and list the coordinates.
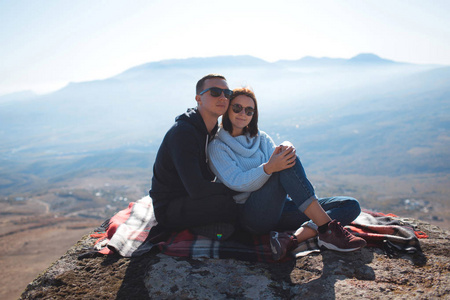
(216, 92)
(237, 108)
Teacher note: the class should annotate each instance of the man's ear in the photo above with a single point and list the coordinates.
(198, 98)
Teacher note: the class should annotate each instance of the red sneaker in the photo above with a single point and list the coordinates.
(338, 238)
(281, 243)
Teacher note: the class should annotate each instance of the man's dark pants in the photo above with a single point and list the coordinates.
(186, 212)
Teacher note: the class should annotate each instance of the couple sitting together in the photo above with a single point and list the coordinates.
(217, 179)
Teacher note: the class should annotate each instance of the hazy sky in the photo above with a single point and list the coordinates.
(46, 44)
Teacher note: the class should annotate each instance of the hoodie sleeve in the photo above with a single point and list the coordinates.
(189, 157)
(223, 162)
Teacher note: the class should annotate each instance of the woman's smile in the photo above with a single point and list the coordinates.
(240, 120)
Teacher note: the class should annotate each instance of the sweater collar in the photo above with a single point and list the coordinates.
(243, 145)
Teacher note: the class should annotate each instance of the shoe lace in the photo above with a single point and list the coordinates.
(342, 231)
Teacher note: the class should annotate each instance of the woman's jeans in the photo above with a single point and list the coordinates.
(270, 207)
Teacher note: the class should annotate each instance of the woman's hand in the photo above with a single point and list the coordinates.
(287, 144)
(283, 157)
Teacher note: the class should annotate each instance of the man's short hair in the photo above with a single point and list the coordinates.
(201, 82)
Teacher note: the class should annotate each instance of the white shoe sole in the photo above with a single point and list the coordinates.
(334, 248)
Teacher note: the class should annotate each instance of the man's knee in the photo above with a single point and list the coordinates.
(257, 225)
(224, 207)
(186, 213)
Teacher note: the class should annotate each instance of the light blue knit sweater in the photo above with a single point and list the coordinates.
(238, 161)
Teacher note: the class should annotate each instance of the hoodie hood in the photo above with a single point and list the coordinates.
(192, 116)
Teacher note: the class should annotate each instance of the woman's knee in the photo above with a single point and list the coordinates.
(353, 205)
(343, 209)
(298, 163)
(352, 208)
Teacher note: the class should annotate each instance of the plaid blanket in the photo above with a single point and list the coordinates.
(128, 231)
(133, 231)
(388, 232)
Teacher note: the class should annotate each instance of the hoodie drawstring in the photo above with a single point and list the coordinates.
(206, 148)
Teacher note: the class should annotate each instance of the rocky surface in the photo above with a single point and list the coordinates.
(364, 274)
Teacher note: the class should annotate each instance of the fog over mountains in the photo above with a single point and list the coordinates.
(364, 115)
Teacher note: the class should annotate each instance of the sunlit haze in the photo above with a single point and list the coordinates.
(47, 44)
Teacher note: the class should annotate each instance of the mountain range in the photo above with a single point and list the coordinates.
(364, 115)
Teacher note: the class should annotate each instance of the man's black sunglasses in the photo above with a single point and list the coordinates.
(216, 92)
(237, 108)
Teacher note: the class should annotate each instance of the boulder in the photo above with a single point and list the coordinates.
(367, 273)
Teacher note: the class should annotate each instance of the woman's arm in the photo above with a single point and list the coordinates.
(223, 162)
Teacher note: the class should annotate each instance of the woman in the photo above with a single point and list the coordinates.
(248, 161)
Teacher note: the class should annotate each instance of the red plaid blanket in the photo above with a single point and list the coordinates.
(387, 231)
(133, 231)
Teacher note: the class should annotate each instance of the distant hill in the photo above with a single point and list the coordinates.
(361, 115)
(201, 62)
(369, 58)
(327, 62)
(18, 96)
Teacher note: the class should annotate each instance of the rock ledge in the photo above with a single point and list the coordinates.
(367, 273)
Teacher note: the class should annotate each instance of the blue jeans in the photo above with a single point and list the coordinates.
(270, 207)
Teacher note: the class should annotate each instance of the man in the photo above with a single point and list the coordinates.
(182, 192)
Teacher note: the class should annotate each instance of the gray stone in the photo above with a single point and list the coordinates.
(364, 274)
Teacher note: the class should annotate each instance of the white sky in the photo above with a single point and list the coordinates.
(46, 44)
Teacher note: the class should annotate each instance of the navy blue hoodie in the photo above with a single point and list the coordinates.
(181, 168)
